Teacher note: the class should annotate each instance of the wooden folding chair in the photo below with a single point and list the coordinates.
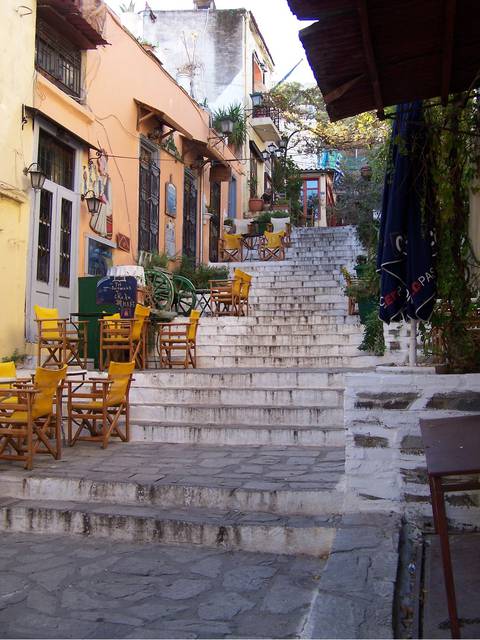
(231, 248)
(174, 337)
(242, 306)
(95, 407)
(64, 341)
(272, 246)
(30, 417)
(225, 296)
(124, 337)
(283, 224)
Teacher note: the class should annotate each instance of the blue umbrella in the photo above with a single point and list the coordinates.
(406, 247)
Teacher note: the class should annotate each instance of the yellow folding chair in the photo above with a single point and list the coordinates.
(241, 304)
(175, 337)
(95, 407)
(30, 417)
(64, 341)
(124, 336)
(272, 246)
(231, 248)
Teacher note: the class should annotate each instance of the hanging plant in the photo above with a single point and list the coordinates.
(236, 113)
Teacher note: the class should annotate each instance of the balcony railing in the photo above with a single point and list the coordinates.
(58, 59)
(267, 111)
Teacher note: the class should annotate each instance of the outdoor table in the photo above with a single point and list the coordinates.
(203, 301)
(7, 380)
(251, 243)
(452, 448)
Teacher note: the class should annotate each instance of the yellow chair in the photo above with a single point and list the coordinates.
(124, 336)
(64, 341)
(272, 246)
(173, 337)
(231, 248)
(33, 423)
(96, 406)
(241, 305)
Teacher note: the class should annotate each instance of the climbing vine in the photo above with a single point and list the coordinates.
(451, 162)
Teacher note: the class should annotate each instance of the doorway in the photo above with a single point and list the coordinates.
(54, 237)
(190, 216)
(215, 192)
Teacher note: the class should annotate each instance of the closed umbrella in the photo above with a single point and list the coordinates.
(406, 243)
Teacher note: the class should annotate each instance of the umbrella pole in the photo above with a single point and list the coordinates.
(412, 351)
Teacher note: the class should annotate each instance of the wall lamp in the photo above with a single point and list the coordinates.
(37, 176)
(272, 151)
(257, 98)
(94, 204)
(225, 126)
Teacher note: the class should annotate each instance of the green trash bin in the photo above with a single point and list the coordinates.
(89, 310)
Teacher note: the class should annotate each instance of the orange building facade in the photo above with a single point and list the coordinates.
(112, 128)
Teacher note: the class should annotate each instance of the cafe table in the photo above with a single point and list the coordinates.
(452, 450)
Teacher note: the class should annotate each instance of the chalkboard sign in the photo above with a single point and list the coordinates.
(120, 291)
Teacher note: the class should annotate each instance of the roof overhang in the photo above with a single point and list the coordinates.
(62, 131)
(146, 111)
(371, 54)
(80, 21)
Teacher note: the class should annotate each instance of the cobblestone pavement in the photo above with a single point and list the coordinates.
(247, 467)
(68, 587)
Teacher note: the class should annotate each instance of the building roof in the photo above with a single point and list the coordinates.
(370, 54)
(81, 21)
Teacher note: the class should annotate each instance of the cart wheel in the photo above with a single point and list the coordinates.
(185, 296)
(159, 289)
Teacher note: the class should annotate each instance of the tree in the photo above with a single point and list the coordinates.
(304, 108)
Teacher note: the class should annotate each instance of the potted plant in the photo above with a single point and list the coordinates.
(254, 203)
(228, 225)
(262, 222)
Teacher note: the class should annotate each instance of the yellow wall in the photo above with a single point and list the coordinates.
(16, 86)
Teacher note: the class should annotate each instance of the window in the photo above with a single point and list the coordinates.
(58, 59)
(99, 257)
(44, 236)
(148, 208)
(56, 159)
(65, 243)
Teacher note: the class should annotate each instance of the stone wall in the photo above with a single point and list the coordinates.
(385, 462)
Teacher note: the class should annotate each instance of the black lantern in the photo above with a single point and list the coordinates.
(37, 176)
(226, 125)
(94, 204)
(257, 98)
(283, 143)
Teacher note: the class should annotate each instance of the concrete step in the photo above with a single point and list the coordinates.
(212, 528)
(238, 396)
(360, 361)
(236, 414)
(307, 320)
(268, 340)
(209, 348)
(298, 299)
(238, 434)
(216, 378)
(327, 332)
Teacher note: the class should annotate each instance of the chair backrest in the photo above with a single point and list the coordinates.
(192, 327)
(49, 330)
(242, 226)
(121, 374)
(246, 282)
(140, 315)
(232, 241)
(280, 224)
(46, 382)
(7, 370)
(274, 240)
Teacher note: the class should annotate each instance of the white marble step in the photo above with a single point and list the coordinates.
(276, 350)
(292, 340)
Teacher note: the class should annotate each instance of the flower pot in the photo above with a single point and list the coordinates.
(255, 204)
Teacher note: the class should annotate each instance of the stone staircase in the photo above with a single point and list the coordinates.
(245, 452)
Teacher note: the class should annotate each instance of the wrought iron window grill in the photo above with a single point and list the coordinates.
(58, 59)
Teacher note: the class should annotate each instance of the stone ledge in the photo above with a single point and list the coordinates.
(356, 591)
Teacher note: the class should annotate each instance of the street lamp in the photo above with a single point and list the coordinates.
(37, 176)
(257, 98)
(94, 204)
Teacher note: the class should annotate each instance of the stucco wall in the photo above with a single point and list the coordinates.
(16, 87)
(385, 463)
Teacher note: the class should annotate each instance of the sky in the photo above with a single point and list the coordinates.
(278, 25)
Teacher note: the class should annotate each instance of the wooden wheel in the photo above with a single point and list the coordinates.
(159, 290)
(185, 296)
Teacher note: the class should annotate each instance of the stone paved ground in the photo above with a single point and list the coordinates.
(465, 549)
(248, 467)
(59, 587)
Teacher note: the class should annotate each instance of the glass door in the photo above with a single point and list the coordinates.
(190, 216)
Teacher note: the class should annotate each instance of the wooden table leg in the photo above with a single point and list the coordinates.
(441, 527)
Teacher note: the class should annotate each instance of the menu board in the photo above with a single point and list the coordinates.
(120, 291)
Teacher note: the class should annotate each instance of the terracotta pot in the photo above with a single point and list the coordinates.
(255, 204)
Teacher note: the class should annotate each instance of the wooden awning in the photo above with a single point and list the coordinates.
(80, 21)
(370, 54)
(146, 111)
